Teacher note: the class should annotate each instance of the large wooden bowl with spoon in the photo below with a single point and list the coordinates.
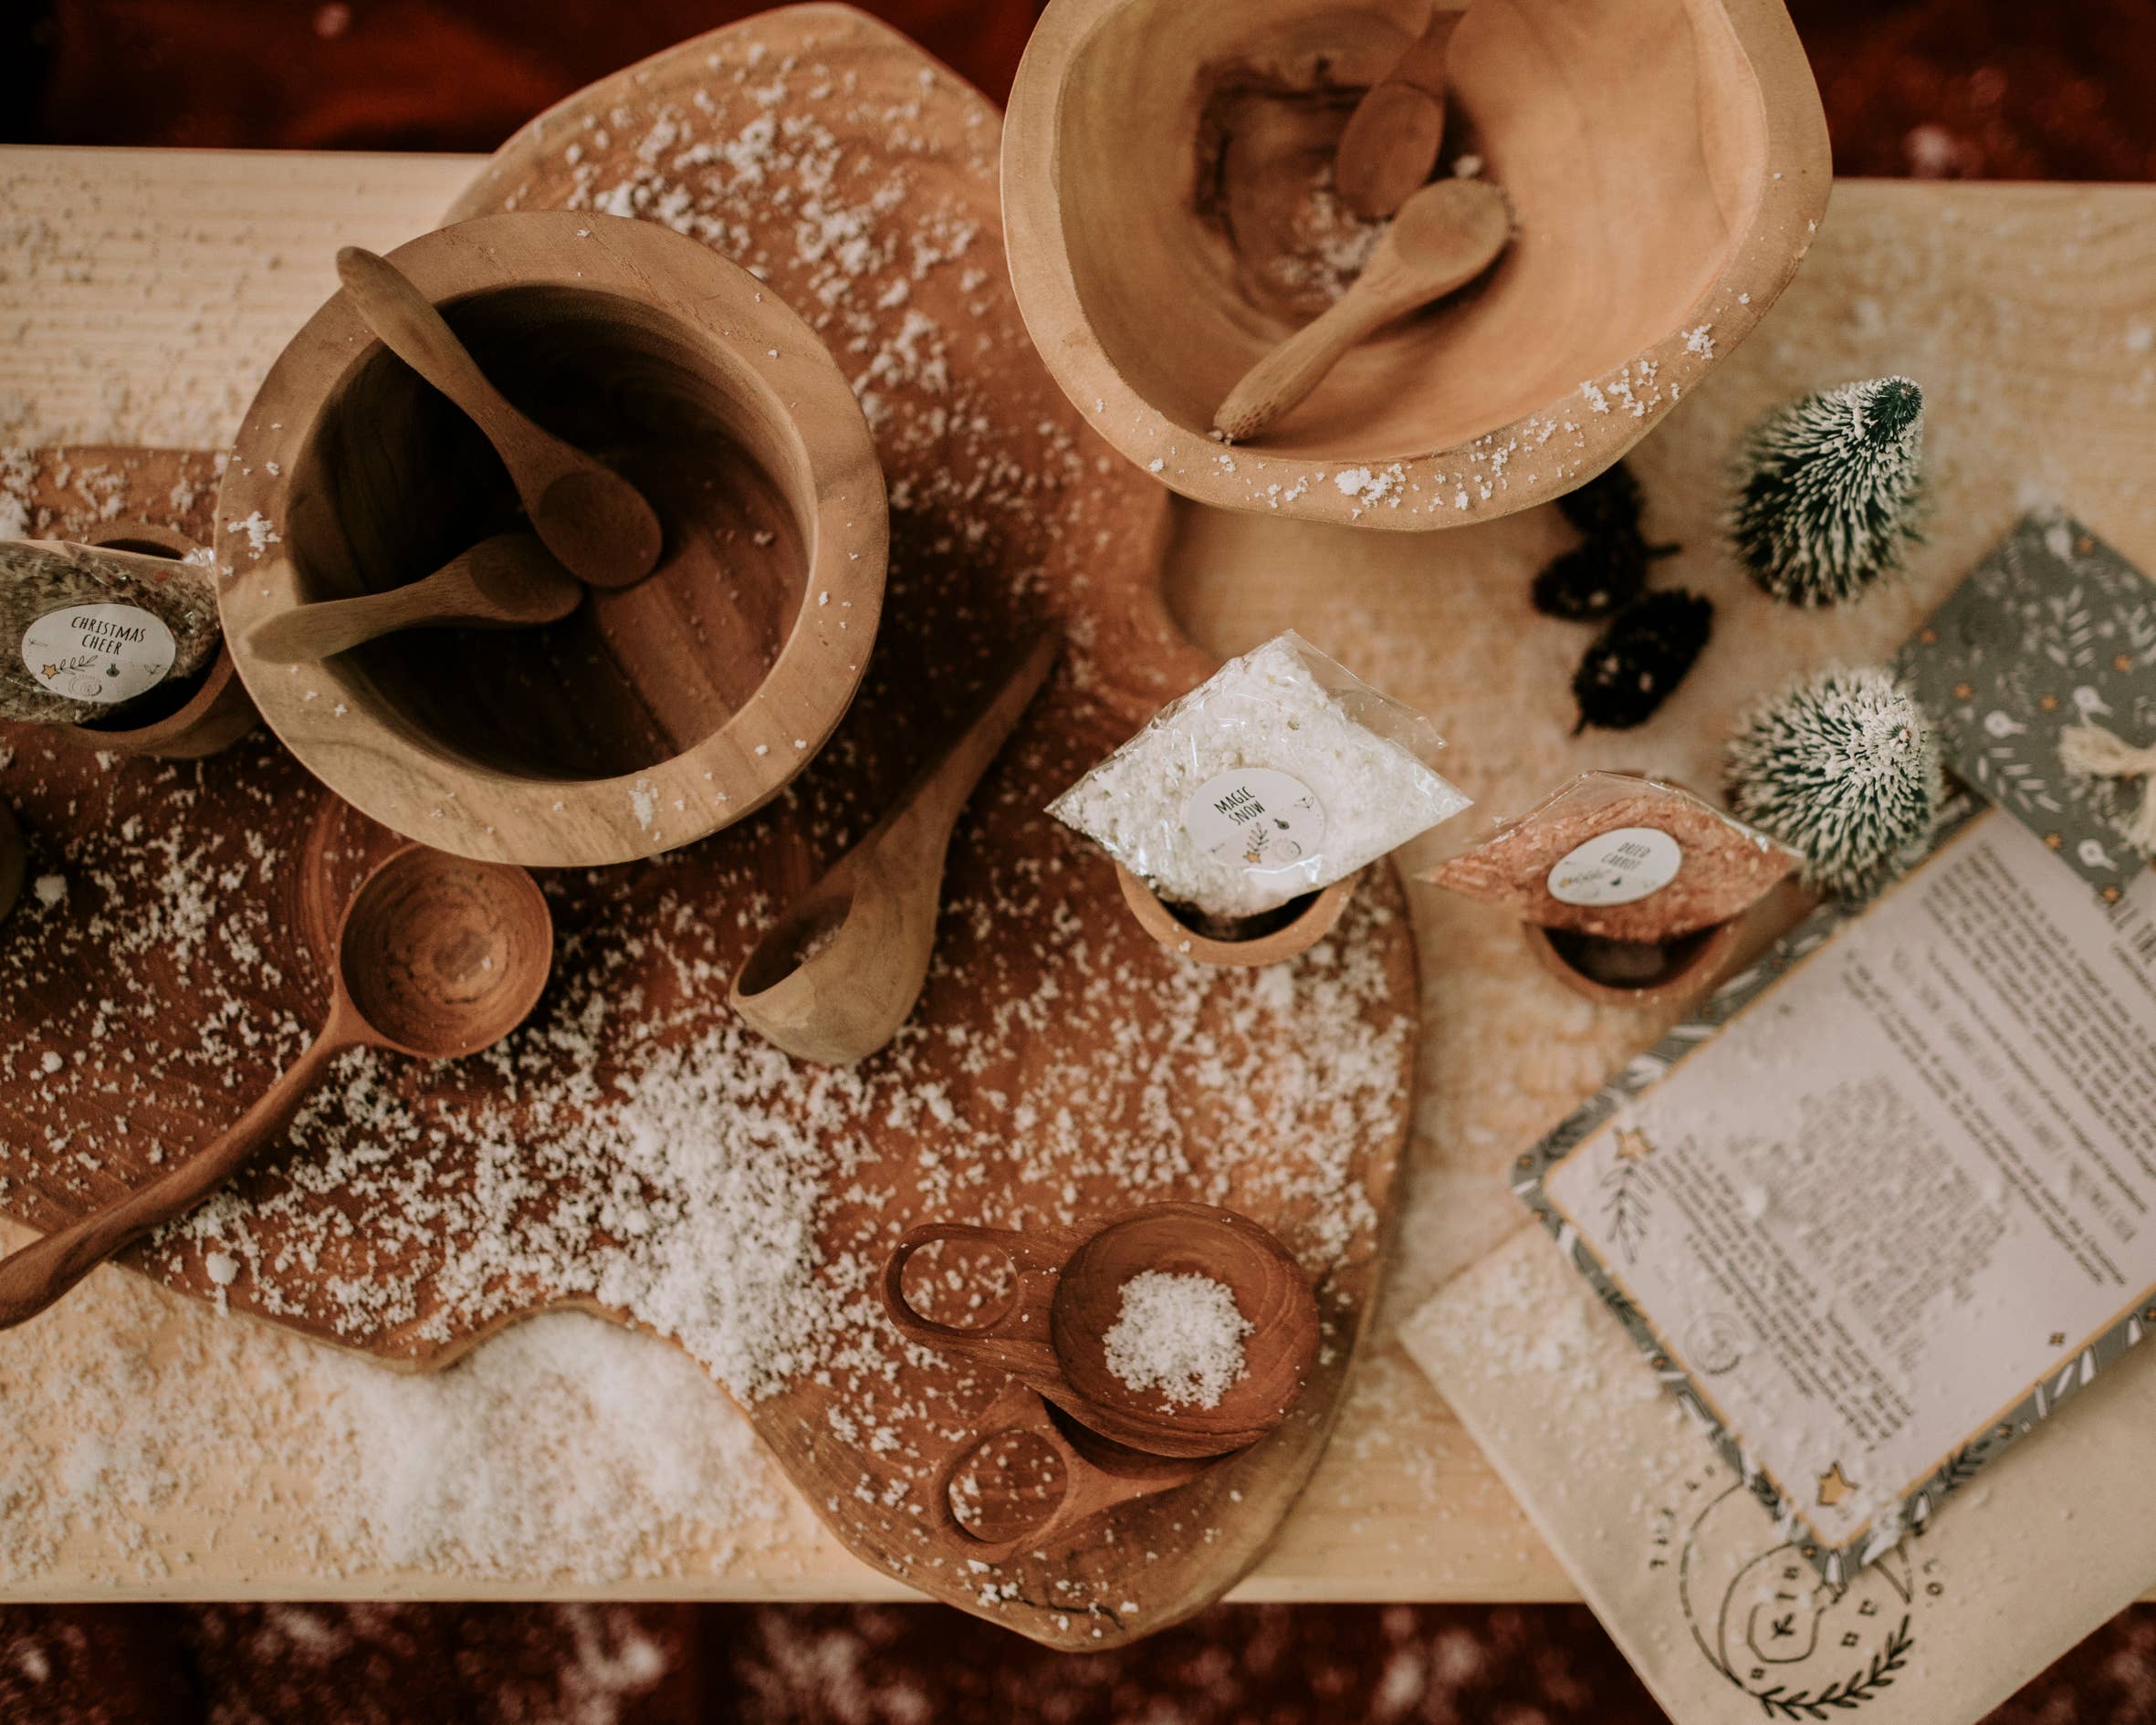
(653, 712)
(1171, 219)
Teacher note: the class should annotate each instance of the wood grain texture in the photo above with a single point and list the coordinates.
(1044, 991)
(161, 285)
(1668, 160)
(651, 715)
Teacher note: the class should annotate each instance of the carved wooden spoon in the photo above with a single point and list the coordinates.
(1391, 141)
(840, 970)
(437, 956)
(1444, 237)
(591, 518)
(1066, 1295)
(504, 582)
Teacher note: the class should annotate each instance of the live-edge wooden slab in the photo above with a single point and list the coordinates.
(635, 1150)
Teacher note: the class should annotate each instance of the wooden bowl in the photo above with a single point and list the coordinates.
(1668, 970)
(208, 715)
(1295, 928)
(1667, 161)
(651, 715)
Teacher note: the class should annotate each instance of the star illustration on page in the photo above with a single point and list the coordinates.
(1633, 1143)
(1834, 1486)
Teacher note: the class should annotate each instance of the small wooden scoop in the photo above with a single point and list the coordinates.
(504, 582)
(1067, 1294)
(1032, 1474)
(840, 971)
(436, 958)
(591, 518)
(1444, 237)
(1391, 141)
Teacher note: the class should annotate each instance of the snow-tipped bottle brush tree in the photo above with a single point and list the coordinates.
(1830, 490)
(1842, 766)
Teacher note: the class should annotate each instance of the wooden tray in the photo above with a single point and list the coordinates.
(1061, 1065)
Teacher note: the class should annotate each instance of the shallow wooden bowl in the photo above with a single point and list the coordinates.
(1682, 968)
(1667, 160)
(650, 716)
(207, 715)
(1271, 939)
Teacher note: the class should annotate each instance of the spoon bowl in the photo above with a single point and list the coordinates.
(441, 956)
(1443, 237)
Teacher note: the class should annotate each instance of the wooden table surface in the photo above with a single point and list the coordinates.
(144, 294)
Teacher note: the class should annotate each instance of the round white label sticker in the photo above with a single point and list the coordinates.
(1617, 867)
(98, 653)
(1266, 819)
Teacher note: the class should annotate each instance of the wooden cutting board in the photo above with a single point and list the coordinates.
(634, 1150)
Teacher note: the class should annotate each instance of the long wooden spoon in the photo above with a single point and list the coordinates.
(1391, 141)
(1444, 237)
(437, 956)
(594, 520)
(841, 969)
(509, 581)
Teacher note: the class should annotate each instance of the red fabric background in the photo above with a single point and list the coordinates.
(1977, 88)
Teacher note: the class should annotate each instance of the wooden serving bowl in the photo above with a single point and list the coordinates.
(651, 715)
(1666, 161)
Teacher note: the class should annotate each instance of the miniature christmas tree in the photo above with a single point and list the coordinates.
(1842, 766)
(1639, 659)
(1830, 487)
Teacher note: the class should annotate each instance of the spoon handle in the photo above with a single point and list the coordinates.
(929, 807)
(1423, 65)
(417, 334)
(1017, 1339)
(1297, 366)
(330, 626)
(33, 1278)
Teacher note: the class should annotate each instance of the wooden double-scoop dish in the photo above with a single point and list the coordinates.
(1069, 1440)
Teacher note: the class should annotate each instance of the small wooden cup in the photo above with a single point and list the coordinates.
(1295, 928)
(1066, 1292)
(1666, 970)
(209, 716)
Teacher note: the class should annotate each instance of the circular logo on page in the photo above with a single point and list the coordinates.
(1264, 819)
(1618, 867)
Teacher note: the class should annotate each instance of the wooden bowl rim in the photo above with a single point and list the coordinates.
(484, 813)
(1318, 920)
(1700, 972)
(1796, 174)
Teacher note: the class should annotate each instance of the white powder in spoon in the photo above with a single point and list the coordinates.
(1180, 1335)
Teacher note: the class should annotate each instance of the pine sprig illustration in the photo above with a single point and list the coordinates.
(1851, 1691)
(1624, 1208)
